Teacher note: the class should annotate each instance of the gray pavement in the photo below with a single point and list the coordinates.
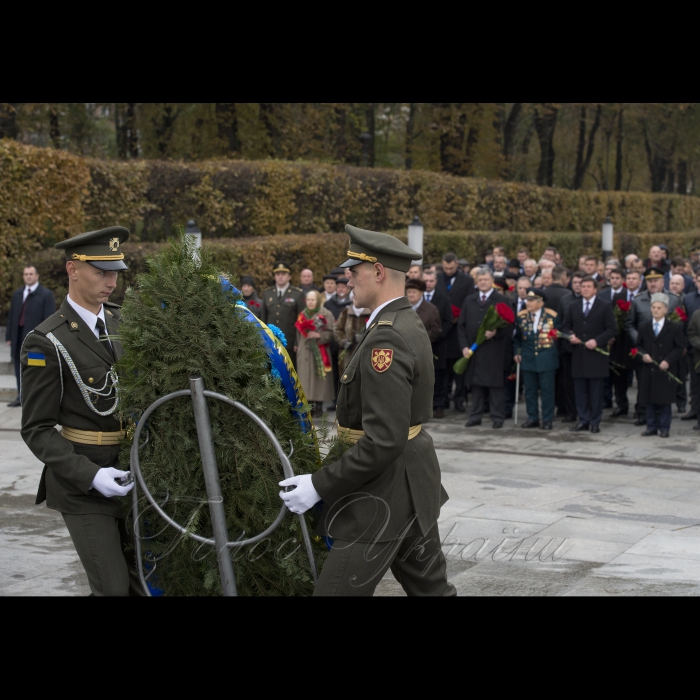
(530, 513)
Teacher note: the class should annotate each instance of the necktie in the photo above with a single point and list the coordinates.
(483, 299)
(522, 305)
(104, 338)
(656, 329)
(587, 309)
(279, 294)
(429, 297)
(24, 307)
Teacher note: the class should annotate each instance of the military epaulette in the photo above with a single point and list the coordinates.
(387, 319)
(111, 309)
(51, 323)
(524, 312)
(297, 289)
(111, 305)
(551, 312)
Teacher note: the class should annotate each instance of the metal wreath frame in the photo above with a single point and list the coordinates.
(211, 479)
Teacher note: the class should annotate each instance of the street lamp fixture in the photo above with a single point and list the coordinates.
(607, 238)
(415, 236)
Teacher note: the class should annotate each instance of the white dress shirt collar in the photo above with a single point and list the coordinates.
(29, 290)
(589, 302)
(485, 294)
(661, 324)
(87, 316)
(282, 290)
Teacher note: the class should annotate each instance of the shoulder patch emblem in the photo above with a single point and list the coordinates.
(36, 359)
(382, 359)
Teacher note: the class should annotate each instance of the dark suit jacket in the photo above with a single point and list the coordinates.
(442, 303)
(489, 363)
(655, 386)
(555, 293)
(430, 317)
(40, 305)
(462, 287)
(599, 326)
(50, 397)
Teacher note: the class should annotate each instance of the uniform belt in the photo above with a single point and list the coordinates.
(92, 437)
(350, 435)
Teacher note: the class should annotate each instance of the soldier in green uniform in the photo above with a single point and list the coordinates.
(68, 380)
(383, 496)
(537, 353)
(282, 304)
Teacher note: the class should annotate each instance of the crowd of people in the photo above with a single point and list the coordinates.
(577, 342)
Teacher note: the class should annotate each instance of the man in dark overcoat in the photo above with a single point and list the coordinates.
(457, 286)
(488, 364)
(691, 303)
(591, 324)
(441, 301)
(557, 291)
(660, 344)
(31, 304)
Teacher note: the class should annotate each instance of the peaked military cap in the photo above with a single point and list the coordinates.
(281, 267)
(373, 247)
(101, 249)
(653, 273)
(538, 294)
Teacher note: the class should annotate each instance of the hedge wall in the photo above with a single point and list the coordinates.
(323, 252)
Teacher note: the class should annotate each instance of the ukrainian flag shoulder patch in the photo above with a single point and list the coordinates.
(36, 359)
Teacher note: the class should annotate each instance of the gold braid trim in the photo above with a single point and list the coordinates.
(362, 256)
(87, 258)
(350, 435)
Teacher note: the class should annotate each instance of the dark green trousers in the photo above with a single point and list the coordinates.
(539, 383)
(101, 541)
(417, 562)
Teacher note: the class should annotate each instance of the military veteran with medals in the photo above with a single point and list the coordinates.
(382, 497)
(68, 380)
(535, 349)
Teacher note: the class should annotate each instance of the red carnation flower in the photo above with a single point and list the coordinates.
(634, 352)
(682, 314)
(505, 312)
(553, 334)
(456, 311)
(624, 306)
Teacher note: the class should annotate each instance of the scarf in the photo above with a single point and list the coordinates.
(310, 313)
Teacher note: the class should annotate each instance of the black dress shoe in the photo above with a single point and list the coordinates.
(569, 419)
(438, 413)
(472, 423)
(459, 407)
(696, 427)
(607, 404)
(497, 424)
(648, 433)
(620, 412)
(595, 428)
(547, 425)
(640, 421)
(663, 433)
(579, 427)
(690, 416)
(531, 424)
(15, 403)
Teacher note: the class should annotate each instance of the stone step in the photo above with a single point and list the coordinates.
(7, 368)
(8, 387)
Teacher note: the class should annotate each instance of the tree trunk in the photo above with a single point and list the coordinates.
(227, 122)
(54, 130)
(583, 162)
(410, 131)
(120, 131)
(268, 119)
(8, 120)
(658, 166)
(545, 124)
(618, 152)
(369, 145)
(509, 130)
(132, 137)
(682, 176)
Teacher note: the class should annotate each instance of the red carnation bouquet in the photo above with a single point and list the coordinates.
(678, 315)
(634, 353)
(555, 334)
(322, 357)
(456, 311)
(498, 316)
(621, 309)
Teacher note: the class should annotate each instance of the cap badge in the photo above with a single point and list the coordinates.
(114, 244)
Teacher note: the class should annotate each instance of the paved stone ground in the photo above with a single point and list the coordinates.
(530, 513)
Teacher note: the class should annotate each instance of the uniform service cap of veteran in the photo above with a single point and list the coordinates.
(653, 273)
(281, 267)
(101, 249)
(373, 247)
(538, 294)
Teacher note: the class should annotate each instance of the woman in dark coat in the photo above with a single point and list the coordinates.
(660, 346)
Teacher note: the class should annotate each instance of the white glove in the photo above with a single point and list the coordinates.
(303, 496)
(105, 483)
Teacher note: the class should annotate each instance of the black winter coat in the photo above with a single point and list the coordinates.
(458, 291)
(599, 326)
(40, 305)
(442, 302)
(489, 363)
(655, 386)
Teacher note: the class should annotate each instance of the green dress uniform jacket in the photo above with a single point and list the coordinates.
(386, 389)
(51, 397)
(539, 352)
(283, 312)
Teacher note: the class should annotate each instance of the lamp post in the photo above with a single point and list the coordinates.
(607, 238)
(415, 236)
